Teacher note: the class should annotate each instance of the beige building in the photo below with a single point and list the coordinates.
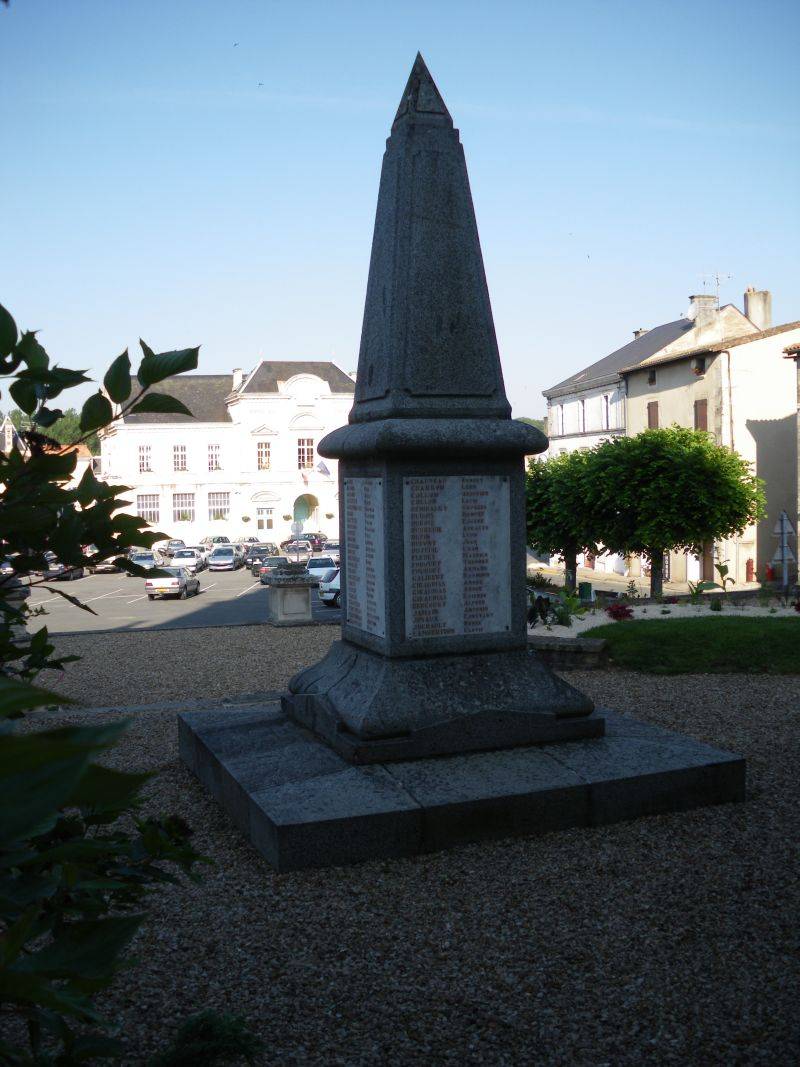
(717, 369)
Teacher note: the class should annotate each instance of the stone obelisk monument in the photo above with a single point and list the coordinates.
(430, 723)
(433, 657)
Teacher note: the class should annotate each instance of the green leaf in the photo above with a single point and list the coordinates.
(72, 599)
(40, 771)
(47, 416)
(161, 404)
(96, 412)
(118, 378)
(8, 332)
(156, 367)
(18, 696)
(32, 353)
(104, 789)
(87, 949)
(24, 395)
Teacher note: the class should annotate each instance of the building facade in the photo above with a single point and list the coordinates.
(246, 464)
(716, 369)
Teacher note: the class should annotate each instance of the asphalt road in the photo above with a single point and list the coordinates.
(226, 598)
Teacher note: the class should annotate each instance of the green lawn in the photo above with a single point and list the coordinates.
(704, 646)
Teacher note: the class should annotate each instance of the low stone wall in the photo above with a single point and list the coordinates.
(577, 654)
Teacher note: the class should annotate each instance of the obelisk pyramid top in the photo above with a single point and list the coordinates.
(421, 97)
(429, 374)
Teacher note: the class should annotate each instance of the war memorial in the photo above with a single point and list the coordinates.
(431, 723)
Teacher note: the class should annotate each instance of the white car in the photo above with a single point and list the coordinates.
(330, 590)
(190, 558)
(202, 550)
(176, 581)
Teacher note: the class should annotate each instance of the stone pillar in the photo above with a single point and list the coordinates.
(433, 657)
(290, 595)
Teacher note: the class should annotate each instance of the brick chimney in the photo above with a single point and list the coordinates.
(702, 309)
(758, 307)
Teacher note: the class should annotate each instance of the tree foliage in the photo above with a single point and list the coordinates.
(63, 430)
(72, 880)
(557, 518)
(669, 489)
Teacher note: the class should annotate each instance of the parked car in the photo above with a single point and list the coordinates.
(316, 540)
(103, 566)
(318, 566)
(60, 572)
(224, 558)
(190, 558)
(251, 540)
(298, 550)
(256, 554)
(269, 565)
(331, 548)
(330, 589)
(173, 546)
(202, 550)
(218, 540)
(176, 581)
(144, 559)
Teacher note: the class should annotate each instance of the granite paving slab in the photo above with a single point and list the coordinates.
(304, 806)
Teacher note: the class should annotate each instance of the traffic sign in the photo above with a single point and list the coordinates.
(783, 525)
(779, 555)
(297, 528)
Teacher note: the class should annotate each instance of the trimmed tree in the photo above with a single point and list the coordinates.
(670, 489)
(557, 519)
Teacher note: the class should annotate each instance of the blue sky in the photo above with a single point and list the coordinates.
(206, 172)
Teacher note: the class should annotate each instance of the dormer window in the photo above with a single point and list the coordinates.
(651, 377)
(699, 365)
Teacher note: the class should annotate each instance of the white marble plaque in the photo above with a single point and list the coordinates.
(457, 555)
(365, 592)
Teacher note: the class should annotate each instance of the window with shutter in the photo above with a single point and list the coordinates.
(701, 415)
(652, 415)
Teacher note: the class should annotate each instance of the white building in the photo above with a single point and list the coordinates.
(717, 369)
(246, 463)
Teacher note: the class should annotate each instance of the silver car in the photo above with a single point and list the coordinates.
(190, 558)
(176, 581)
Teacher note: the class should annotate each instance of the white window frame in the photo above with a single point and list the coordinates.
(582, 416)
(148, 507)
(145, 459)
(305, 453)
(265, 516)
(219, 506)
(179, 460)
(263, 455)
(606, 411)
(183, 507)
(214, 458)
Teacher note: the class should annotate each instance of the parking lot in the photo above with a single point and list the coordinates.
(226, 598)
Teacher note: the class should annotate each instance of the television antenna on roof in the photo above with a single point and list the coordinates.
(716, 279)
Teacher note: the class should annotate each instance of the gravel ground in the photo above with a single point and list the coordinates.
(670, 939)
(149, 666)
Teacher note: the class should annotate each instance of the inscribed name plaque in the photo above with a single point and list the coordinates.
(365, 596)
(457, 555)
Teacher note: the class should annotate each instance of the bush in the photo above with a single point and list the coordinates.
(73, 880)
(619, 612)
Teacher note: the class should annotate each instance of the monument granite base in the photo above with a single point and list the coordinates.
(303, 806)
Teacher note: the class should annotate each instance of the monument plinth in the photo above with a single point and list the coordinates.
(430, 723)
(433, 657)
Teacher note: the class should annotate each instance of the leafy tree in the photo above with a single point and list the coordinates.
(538, 423)
(71, 877)
(558, 521)
(670, 489)
(63, 431)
